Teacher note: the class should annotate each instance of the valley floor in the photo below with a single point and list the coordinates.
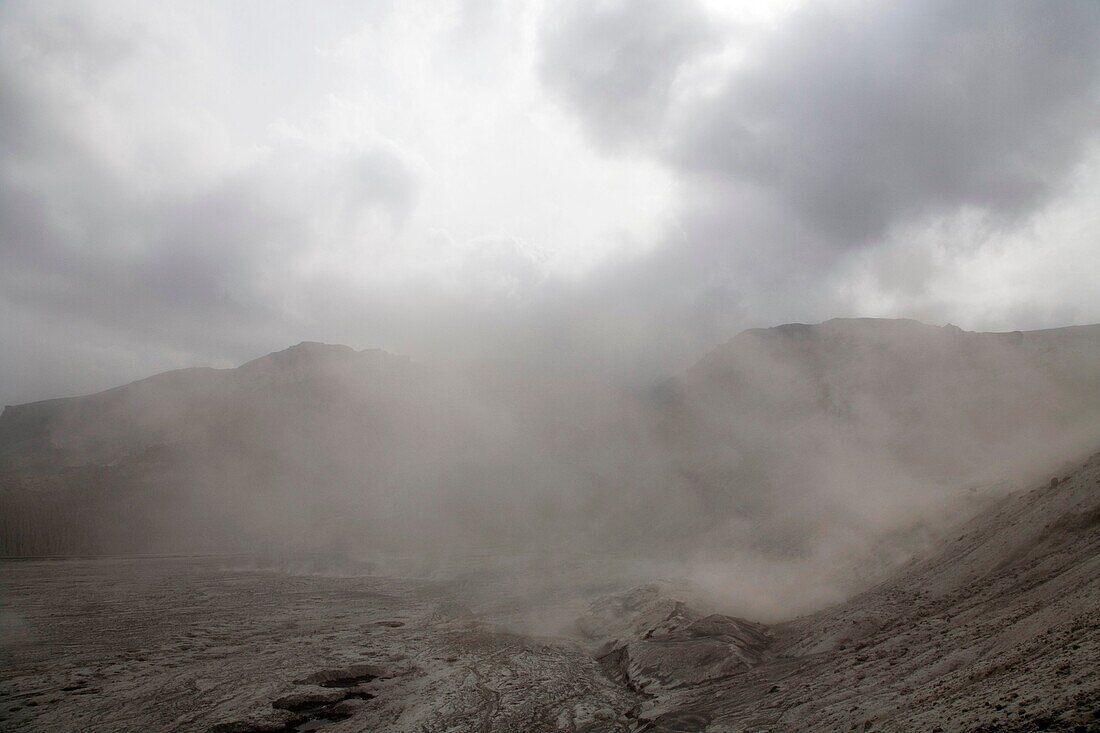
(998, 631)
(175, 644)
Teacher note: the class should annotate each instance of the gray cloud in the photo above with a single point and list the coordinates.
(846, 125)
(616, 61)
(139, 209)
(862, 116)
(153, 254)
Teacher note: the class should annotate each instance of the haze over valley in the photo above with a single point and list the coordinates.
(799, 459)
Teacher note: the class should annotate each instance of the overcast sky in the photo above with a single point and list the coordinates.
(610, 186)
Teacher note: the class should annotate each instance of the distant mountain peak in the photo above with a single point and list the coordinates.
(302, 354)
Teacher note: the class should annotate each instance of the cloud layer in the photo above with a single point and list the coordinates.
(611, 187)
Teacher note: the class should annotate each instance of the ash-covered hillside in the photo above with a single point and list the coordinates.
(821, 440)
(806, 449)
(298, 449)
(995, 630)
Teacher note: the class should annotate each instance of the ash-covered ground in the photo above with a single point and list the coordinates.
(198, 644)
(999, 630)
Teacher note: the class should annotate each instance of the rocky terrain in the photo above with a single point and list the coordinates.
(998, 630)
(193, 644)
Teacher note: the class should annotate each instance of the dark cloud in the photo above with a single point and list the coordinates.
(861, 116)
(616, 61)
(848, 123)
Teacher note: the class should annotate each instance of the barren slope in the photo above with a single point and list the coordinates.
(999, 630)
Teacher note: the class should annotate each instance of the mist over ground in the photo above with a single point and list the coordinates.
(786, 469)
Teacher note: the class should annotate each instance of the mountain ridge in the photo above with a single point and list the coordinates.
(321, 347)
(885, 430)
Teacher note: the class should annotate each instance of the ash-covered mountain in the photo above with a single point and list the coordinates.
(821, 439)
(995, 630)
(802, 448)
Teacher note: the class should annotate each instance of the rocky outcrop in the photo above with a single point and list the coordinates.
(650, 641)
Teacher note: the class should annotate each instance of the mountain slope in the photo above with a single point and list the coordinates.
(801, 450)
(939, 404)
(997, 630)
(198, 459)
(848, 443)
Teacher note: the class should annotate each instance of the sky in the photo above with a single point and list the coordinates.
(598, 186)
